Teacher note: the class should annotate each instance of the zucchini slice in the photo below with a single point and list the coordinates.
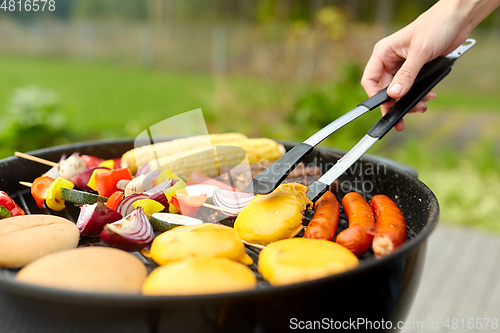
(81, 197)
(167, 221)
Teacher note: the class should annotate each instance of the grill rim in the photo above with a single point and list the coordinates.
(12, 286)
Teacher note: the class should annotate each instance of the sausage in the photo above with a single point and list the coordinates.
(358, 237)
(325, 220)
(390, 229)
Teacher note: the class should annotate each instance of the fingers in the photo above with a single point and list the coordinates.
(372, 75)
(404, 78)
(421, 107)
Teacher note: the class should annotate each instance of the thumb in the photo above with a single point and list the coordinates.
(404, 78)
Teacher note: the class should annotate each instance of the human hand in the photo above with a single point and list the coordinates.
(397, 59)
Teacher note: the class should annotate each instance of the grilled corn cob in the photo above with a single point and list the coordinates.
(134, 158)
(209, 161)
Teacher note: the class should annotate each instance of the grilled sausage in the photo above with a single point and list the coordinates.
(390, 229)
(358, 237)
(325, 220)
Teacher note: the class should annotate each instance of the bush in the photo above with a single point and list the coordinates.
(34, 119)
(316, 107)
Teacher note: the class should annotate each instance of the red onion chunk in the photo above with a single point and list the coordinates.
(162, 186)
(132, 233)
(126, 206)
(93, 218)
(235, 201)
(161, 198)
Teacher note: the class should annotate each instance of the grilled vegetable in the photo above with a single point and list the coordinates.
(390, 229)
(167, 221)
(357, 237)
(302, 259)
(138, 156)
(149, 206)
(126, 206)
(324, 223)
(199, 276)
(106, 181)
(91, 161)
(207, 240)
(10, 208)
(72, 166)
(132, 233)
(82, 179)
(200, 178)
(188, 205)
(234, 201)
(93, 218)
(110, 164)
(80, 197)
(114, 200)
(138, 185)
(92, 184)
(39, 189)
(203, 159)
(274, 216)
(54, 200)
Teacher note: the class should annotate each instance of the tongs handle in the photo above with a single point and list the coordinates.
(427, 70)
(384, 125)
(407, 102)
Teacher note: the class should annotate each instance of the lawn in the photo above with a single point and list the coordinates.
(106, 100)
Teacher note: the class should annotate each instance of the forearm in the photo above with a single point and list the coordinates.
(469, 12)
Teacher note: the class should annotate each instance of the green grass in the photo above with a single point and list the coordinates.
(106, 100)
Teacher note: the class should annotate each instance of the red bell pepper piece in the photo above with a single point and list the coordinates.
(39, 189)
(106, 181)
(114, 200)
(201, 178)
(91, 161)
(188, 205)
(9, 206)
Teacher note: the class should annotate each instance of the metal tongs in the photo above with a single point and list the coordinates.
(430, 75)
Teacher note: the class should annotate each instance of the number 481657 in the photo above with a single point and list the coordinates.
(28, 5)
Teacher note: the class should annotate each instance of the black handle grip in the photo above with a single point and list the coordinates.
(427, 70)
(406, 103)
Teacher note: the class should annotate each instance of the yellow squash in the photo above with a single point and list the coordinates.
(199, 276)
(206, 240)
(301, 259)
(271, 217)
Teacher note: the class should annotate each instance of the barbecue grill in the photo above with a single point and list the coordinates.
(378, 290)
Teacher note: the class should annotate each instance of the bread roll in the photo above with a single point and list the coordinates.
(29, 237)
(87, 269)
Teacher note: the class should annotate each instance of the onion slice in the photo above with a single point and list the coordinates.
(234, 201)
(162, 186)
(126, 206)
(93, 218)
(132, 233)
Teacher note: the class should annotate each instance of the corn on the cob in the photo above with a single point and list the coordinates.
(209, 161)
(134, 158)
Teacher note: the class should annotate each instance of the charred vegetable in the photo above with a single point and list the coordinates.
(132, 233)
(93, 218)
